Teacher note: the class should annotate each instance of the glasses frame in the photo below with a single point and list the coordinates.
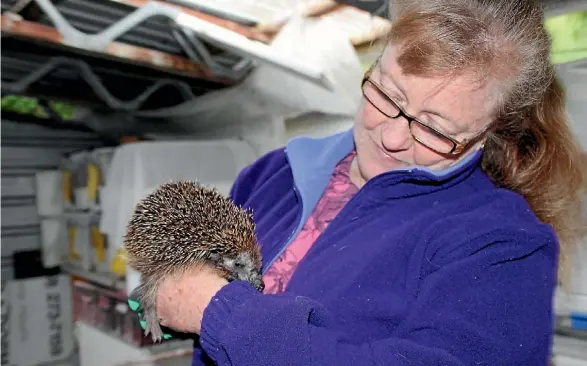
(458, 146)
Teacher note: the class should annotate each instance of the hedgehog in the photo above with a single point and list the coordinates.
(182, 225)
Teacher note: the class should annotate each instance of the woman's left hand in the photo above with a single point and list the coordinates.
(181, 300)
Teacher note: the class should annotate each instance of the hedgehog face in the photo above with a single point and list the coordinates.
(243, 267)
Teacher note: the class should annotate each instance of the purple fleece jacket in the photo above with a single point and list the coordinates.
(419, 268)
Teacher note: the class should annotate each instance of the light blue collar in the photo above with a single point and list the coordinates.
(312, 161)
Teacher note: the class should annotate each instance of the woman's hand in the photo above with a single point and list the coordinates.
(181, 300)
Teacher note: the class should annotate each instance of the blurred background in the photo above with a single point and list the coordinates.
(102, 100)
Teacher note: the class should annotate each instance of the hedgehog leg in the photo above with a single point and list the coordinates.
(153, 326)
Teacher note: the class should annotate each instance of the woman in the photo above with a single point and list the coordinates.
(430, 233)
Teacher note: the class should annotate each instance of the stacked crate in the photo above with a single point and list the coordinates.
(28, 149)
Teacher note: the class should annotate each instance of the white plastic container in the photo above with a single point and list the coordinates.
(54, 240)
(49, 192)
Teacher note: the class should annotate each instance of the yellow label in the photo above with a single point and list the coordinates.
(93, 181)
(118, 265)
(99, 243)
(67, 193)
(73, 254)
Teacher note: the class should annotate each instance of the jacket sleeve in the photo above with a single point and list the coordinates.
(492, 307)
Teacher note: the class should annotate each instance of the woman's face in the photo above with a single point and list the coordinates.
(459, 107)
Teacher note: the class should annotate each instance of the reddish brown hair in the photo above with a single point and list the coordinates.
(530, 148)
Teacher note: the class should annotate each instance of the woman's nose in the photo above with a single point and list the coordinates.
(395, 134)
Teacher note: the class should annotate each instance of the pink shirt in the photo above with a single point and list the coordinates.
(337, 193)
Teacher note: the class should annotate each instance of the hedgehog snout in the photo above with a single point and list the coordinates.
(243, 268)
(253, 277)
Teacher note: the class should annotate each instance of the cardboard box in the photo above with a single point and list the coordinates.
(37, 320)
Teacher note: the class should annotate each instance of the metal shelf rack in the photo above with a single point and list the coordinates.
(134, 55)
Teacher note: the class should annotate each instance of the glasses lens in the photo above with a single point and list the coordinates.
(431, 139)
(380, 100)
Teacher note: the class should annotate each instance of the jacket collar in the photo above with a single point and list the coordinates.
(312, 161)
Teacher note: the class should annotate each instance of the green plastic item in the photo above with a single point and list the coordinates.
(31, 106)
(568, 34)
(135, 306)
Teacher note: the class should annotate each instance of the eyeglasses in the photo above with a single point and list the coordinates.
(421, 132)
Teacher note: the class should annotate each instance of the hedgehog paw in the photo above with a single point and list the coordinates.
(230, 278)
(153, 327)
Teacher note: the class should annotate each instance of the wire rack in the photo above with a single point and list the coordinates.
(129, 55)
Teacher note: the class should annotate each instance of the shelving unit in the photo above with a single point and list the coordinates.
(163, 54)
(103, 279)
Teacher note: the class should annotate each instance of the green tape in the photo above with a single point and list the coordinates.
(166, 336)
(143, 323)
(134, 305)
